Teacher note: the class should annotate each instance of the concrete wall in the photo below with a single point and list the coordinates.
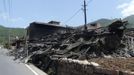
(66, 66)
(76, 67)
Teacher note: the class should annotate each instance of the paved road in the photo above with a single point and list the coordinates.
(10, 67)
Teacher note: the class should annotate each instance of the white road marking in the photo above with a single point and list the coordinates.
(31, 69)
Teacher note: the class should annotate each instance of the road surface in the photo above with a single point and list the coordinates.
(10, 67)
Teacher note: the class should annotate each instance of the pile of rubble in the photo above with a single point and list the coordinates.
(104, 43)
(107, 42)
(84, 44)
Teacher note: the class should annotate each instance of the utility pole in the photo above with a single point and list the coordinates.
(26, 43)
(9, 38)
(85, 15)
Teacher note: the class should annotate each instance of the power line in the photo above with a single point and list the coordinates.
(76, 13)
(9, 8)
(4, 4)
(9, 13)
(73, 16)
(89, 1)
(7, 4)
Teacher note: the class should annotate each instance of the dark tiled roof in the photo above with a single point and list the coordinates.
(48, 24)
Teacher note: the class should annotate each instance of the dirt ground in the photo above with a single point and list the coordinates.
(123, 64)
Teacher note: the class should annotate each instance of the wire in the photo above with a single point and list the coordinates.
(4, 3)
(9, 8)
(73, 16)
(76, 13)
(89, 1)
(9, 15)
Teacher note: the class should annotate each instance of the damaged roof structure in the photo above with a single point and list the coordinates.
(38, 29)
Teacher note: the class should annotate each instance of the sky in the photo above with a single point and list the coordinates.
(20, 13)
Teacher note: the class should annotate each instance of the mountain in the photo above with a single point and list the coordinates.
(105, 22)
(130, 20)
(4, 33)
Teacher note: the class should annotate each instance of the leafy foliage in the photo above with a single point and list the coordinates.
(12, 32)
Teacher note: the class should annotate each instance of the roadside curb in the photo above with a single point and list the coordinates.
(35, 70)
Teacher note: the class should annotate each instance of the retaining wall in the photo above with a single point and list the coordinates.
(76, 67)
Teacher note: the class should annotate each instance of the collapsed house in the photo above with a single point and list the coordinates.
(53, 43)
(37, 29)
(129, 35)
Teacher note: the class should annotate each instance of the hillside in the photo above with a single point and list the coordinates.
(130, 20)
(4, 33)
(105, 22)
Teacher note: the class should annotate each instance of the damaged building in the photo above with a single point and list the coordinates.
(63, 51)
(129, 35)
(38, 29)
